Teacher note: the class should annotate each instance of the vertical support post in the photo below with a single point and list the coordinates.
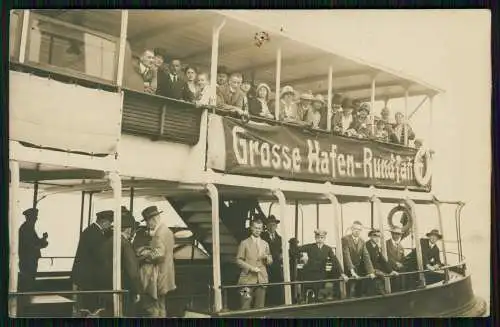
(35, 194)
(372, 213)
(443, 244)
(82, 209)
(278, 84)
(431, 119)
(131, 203)
(297, 219)
(372, 105)
(13, 235)
(377, 206)
(420, 266)
(338, 237)
(329, 110)
(24, 36)
(91, 195)
(121, 51)
(214, 61)
(405, 126)
(284, 237)
(116, 185)
(214, 198)
(317, 215)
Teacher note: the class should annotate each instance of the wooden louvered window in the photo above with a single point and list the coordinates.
(160, 118)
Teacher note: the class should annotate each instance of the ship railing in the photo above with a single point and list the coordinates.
(23, 300)
(300, 295)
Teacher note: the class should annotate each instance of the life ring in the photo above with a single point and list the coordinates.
(406, 219)
(425, 179)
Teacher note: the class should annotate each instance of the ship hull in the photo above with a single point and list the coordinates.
(453, 299)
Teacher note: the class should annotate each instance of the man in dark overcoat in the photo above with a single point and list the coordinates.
(87, 266)
(274, 270)
(29, 250)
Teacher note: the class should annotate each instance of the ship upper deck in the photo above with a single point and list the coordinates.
(70, 93)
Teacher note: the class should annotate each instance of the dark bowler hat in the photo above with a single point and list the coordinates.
(272, 219)
(222, 70)
(434, 232)
(150, 212)
(30, 212)
(374, 232)
(128, 221)
(347, 103)
(106, 214)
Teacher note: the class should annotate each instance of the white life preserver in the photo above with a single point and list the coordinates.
(422, 180)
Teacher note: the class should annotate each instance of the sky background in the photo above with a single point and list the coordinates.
(446, 48)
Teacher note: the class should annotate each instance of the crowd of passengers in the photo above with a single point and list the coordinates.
(365, 267)
(148, 271)
(153, 73)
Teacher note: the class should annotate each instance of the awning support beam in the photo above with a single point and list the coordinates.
(215, 60)
(121, 52)
(329, 110)
(214, 198)
(284, 237)
(405, 127)
(372, 104)
(338, 237)
(116, 185)
(14, 213)
(417, 107)
(278, 84)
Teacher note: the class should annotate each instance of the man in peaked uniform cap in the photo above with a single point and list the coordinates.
(315, 257)
(29, 250)
(87, 266)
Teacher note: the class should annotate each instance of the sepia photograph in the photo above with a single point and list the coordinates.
(249, 163)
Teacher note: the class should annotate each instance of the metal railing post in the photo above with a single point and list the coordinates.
(338, 237)
(284, 237)
(214, 198)
(116, 185)
(418, 248)
(329, 110)
(372, 104)
(13, 234)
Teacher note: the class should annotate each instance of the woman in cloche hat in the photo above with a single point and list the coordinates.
(288, 107)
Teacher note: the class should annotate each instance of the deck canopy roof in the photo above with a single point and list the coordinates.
(187, 35)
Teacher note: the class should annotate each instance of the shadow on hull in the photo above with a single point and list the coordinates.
(449, 300)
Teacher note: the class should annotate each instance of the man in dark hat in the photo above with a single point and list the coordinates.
(380, 265)
(130, 266)
(395, 256)
(156, 264)
(430, 257)
(274, 270)
(362, 124)
(87, 266)
(29, 250)
(344, 123)
(315, 257)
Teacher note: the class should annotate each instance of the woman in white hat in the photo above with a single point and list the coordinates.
(315, 117)
(304, 105)
(288, 107)
(259, 105)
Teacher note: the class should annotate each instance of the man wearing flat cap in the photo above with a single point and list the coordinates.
(156, 264)
(274, 270)
(29, 250)
(396, 256)
(130, 266)
(380, 265)
(315, 257)
(87, 266)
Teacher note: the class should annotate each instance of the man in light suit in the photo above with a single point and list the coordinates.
(356, 259)
(253, 256)
(396, 256)
(157, 264)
